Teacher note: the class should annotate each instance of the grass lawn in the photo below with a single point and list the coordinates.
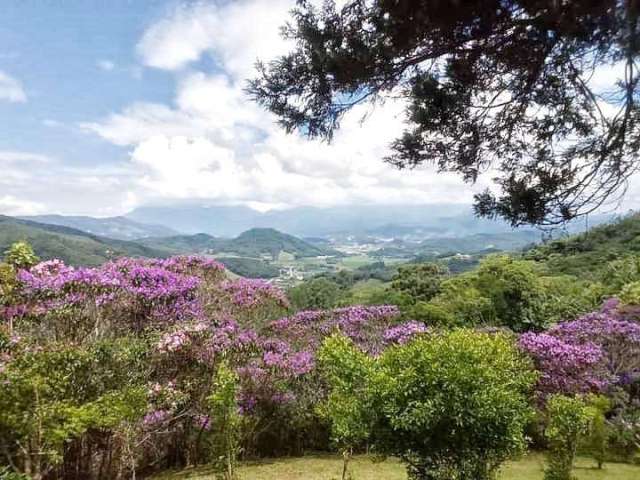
(329, 467)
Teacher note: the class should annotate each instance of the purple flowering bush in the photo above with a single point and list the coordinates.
(587, 355)
(185, 318)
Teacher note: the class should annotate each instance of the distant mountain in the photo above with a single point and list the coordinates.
(121, 228)
(430, 220)
(254, 243)
(73, 246)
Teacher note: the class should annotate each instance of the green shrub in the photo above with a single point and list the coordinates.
(347, 371)
(451, 405)
(20, 255)
(597, 440)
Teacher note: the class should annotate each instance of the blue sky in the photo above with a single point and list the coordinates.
(109, 105)
(74, 64)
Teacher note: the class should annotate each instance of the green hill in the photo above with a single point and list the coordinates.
(584, 255)
(267, 241)
(249, 267)
(198, 243)
(479, 242)
(73, 246)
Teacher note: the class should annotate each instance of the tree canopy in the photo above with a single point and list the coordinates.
(507, 86)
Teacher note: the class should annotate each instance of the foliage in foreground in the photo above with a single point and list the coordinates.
(140, 365)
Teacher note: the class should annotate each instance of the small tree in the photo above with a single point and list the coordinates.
(226, 420)
(346, 370)
(598, 439)
(569, 419)
(315, 294)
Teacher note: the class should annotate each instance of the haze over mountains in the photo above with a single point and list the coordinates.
(427, 221)
(121, 228)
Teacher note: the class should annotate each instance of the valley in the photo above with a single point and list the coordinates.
(261, 252)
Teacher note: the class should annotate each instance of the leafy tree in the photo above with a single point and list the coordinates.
(460, 302)
(451, 405)
(619, 273)
(373, 292)
(516, 292)
(474, 99)
(49, 398)
(315, 294)
(502, 291)
(569, 419)
(420, 282)
(568, 297)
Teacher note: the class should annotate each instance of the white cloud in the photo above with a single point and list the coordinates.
(33, 183)
(214, 144)
(236, 34)
(106, 65)
(10, 205)
(11, 90)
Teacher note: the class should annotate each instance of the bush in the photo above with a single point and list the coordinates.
(568, 420)
(451, 405)
(350, 423)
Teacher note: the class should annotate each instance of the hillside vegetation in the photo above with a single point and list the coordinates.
(73, 246)
(585, 255)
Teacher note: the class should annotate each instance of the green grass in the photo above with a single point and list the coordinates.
(329, 467)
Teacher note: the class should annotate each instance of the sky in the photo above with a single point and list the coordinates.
(110, 105)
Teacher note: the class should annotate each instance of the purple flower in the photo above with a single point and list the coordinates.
(401, 334)
(156, 418)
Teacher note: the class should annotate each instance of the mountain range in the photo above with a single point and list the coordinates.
(77, 247)
(120, 228)
(255, 242)
(417, 222)
(390, 220)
